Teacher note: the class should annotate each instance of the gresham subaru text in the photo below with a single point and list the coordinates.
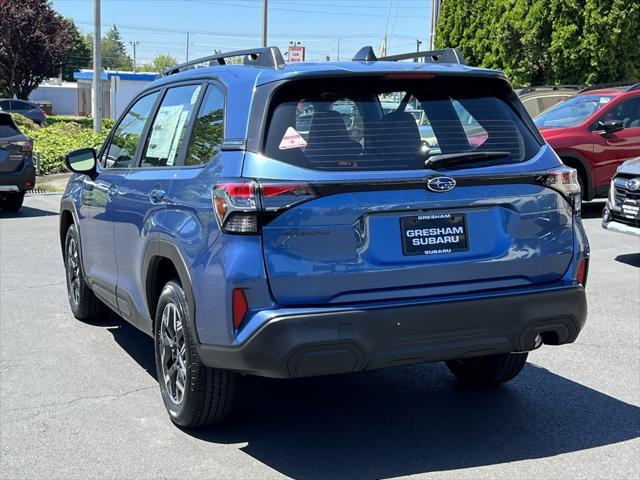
(290, 220)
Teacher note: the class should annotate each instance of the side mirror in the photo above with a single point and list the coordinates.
(611, 126)
(82, 161)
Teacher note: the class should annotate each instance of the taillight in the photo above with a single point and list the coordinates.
(238, 204)
(582, 272)
(564, 179)
(240, 307)
(25, 146)
(235, 204)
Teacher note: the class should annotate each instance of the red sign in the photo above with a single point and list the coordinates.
(296, 53)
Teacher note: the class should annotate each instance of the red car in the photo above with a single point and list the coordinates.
(594, 132)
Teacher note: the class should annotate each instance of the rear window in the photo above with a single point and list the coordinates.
(7, 127)
(392, 122)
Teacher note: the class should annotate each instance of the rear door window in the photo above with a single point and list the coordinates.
(170, 126)
(392, 124)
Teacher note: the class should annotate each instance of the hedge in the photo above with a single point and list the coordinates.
(60, 136)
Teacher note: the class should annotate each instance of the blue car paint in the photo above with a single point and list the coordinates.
(541, 250)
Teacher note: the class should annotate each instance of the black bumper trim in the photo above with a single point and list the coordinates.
(19, 178)
(362, 339)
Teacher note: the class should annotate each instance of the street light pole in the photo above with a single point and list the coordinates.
(265, 13)
(97, 69)
(134, 45)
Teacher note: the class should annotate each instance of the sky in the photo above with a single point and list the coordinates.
(160, 26)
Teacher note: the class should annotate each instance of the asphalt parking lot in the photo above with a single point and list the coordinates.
(82, 401)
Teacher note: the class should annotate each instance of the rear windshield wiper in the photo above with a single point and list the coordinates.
(453, 160)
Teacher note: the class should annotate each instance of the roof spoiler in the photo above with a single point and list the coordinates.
(445, 55)
(269, 57)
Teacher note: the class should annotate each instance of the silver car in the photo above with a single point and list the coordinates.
(622, 212)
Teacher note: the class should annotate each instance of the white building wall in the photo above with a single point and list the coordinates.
(122, 92)
(63, 98)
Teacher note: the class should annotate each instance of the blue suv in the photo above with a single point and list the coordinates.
(293, 220)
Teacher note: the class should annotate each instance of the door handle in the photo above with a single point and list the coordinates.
(156, 195)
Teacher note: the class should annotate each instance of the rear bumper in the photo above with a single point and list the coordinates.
(328, 341)
(16, 181)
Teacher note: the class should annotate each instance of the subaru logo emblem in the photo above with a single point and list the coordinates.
(441, 184)
(633, 184)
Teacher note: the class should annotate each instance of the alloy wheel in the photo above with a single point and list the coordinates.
(173, 352)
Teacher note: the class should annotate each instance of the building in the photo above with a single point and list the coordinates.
(60, 97)
(71, 98)
(118, 89)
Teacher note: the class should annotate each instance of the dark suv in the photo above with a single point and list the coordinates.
(17, 171)
(237, 215)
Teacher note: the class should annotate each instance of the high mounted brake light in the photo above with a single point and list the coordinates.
(239, 204)
(564, 179)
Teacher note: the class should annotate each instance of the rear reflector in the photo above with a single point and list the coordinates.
(583, 271)
(240, 307)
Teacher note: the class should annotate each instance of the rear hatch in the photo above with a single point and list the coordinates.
(13, 145)
(379, 224)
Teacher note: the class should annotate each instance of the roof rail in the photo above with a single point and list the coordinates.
(524, 90)
(259, 57)
(611, 85)
(633, 88)
(446, 55)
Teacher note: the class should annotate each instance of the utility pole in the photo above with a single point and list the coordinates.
(418, 43)
(97, 69)
(187, 47)
(435, 15)
(265, 13)
(134, 45)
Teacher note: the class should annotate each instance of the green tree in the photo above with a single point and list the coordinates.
(546, 41)
(161, 62)
(114, 51)
(79, 56)
(611, 40)
(34, 41)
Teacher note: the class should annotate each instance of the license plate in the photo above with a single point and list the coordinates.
(434, 234)
(631, 208)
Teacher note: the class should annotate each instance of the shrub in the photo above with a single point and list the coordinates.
(62, 135)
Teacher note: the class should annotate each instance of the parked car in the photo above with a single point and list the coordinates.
(244, 247)
(622, 213)
(538, 99)
(594, 132)
(28, 109)
(17, 171)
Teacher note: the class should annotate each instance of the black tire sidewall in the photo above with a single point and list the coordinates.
(173, 293)
(72, 233)
(13, 202)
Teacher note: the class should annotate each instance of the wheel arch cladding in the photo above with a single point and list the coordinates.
(163, 262)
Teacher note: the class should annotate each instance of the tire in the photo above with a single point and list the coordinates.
(84, 304)
(13, 202)
(207, 394)
(488, 371)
